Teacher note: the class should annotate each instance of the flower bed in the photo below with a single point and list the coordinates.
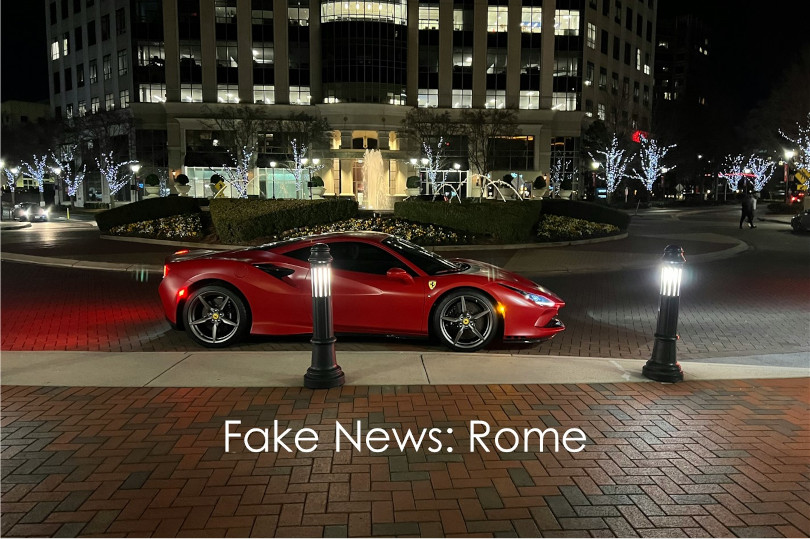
(420, 234)
(561, 228)
(177, 227)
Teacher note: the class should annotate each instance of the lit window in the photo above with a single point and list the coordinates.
(66, 44)
(123, 98)
(638, 59)
(69, 111)
(94, 105)
(428, 17)
(592, 35)
(497, 18)
(109, 101)
(566, 22)
(496, 99)
(600, 111)
(531, 20)
(55, 50)
(265, 94)
(228, 93)
(462, 99)
(428, 97)
(300, 95)
(529, 99)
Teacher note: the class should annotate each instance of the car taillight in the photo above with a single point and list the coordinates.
(165, 270)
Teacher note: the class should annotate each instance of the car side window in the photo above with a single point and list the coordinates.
(356, 256)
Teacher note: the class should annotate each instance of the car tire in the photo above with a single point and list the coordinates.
(215, 316)
(465, 320)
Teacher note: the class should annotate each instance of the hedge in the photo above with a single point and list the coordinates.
(507, 222)
(588, 211)
(241, 221)
(147, 210)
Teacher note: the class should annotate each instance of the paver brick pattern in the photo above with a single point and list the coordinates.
(728, 458)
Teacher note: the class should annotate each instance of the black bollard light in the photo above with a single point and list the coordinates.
(662, 366)
(324, 371)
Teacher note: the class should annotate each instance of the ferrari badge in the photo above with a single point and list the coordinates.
(431, 284)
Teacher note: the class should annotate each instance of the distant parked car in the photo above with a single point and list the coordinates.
(801, 222)
(29, 211)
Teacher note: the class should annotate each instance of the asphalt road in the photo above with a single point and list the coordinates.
(756, 304)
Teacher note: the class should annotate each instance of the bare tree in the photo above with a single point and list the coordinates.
(427, 126)
(482, 127)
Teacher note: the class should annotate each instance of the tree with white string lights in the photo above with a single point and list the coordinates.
(65, 160)
(734, 170)
(117, 174)
(37, 171)
(761, 170)
(651, 156)
(238, 176)
(614, 164)
(802, 140)
(12, 174)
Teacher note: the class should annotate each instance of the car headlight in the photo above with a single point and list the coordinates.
(537, 299)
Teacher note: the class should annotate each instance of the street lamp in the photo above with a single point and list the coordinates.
(664, 170)
(594, 167)
(273, 166)
(662, 365)
(324, 372)
(135, 167)
(788, 157)
(58, 171)
(14, 171)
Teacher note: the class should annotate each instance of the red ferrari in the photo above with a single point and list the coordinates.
(381, 284)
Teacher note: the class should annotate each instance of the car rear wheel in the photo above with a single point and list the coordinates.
(465, 321)
(215, 316)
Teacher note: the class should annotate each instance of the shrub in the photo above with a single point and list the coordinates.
(587, 211)
(176, 227)
(146, 210)
(241, 221)
(215, 179)
(181, 179)
(539, 183)
(412, 182)
(152, 180)
(561, 228)
(511, 221)
(317, 181)
(417, 233)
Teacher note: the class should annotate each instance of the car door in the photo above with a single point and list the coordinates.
(366, 299)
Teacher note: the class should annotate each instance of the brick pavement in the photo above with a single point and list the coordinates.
(727, 458)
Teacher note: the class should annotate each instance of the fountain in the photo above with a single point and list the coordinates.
(375, 184)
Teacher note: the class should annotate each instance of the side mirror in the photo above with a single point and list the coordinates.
(399, 274)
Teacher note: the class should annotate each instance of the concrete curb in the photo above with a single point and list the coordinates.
(15, 227)
(504, 247)
(78, 264)
(286, 369)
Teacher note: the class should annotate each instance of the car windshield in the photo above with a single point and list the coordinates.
(430, 263)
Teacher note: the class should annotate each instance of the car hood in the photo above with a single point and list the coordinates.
(499, 275)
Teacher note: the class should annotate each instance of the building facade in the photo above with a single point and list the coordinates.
(361, 66)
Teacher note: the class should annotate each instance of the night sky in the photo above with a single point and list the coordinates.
(753, 42)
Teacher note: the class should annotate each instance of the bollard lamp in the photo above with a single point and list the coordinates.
(324, 372)
(662, 366)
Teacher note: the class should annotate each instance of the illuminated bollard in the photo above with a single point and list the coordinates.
(662, 366)
(324, 371)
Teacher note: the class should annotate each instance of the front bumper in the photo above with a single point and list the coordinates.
(537, 334)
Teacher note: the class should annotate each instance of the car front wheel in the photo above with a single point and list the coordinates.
(465, 321)
(215, 316)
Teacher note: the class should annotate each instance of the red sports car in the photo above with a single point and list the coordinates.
(381, 284)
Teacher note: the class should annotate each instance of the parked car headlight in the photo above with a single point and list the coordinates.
(537, 299)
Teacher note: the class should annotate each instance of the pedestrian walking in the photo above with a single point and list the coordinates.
(748, 205)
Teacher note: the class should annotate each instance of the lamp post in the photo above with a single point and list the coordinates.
(324, 372)
(594, 167)
(273, 181)
(135, 167)
(788, 157)
(14, 172)
(664, 170)
(662, 365)
(58, 171)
